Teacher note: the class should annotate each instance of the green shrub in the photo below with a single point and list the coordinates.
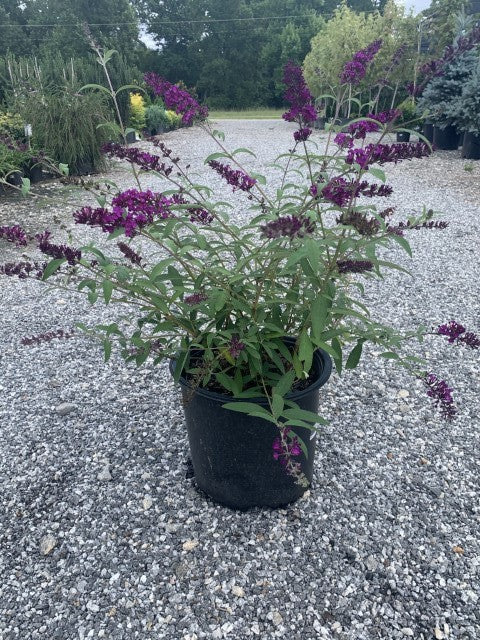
(174, 119)
(156, 118)
(11, 124)
(66, 126)
(408, 111)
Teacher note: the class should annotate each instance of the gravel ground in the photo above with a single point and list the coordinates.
(103, 534)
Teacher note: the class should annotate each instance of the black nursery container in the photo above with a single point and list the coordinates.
(403, 136)
(232, 453)
(445, 139)
(428, 131)
(471, 146)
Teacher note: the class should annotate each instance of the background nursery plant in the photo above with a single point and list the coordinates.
(222, 297)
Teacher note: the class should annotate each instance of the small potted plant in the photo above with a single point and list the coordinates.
(250, 314)
(407, 119)
(157, 120)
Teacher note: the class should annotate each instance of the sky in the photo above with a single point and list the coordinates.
(417, 5)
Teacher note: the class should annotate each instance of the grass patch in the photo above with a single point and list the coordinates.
(247, 114)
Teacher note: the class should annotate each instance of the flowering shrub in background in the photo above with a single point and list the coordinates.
(137, 112)
(233, 290)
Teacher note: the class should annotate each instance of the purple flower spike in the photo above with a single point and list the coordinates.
(302, 134)
(298, 95)
(354, 266)
(57, 251)
(130, 254)
(356, 69)
(14, 234)
(441, 394)
(236, 178)
(288, 226)
(235, 347)
(195, 298)
(177, 99)
(456, 332)
(451, 330)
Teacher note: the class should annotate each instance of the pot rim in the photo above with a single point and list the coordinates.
(321, 357)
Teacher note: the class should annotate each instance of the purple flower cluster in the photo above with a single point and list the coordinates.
(298, 95)
(195, 298)
(23, 270)
(200, 215)
(177, 99)
(236, 178)
(302, 134)
(356, 69)
(432, 224)
(364, 225)
(59, 334)
(14, 234)
(383, 153)
(13, 145)
(359, 130)
(235, 347)
(354, 266)
(288, 226)
(341, 191)
(282, 449)
(456, 332)
(130, 254)
(145, 160)
(441, 394)
(131, 210)
(343, 140)
(385, 117)
(57, 251)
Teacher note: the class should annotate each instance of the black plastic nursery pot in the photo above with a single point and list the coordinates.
(35, 173)
(403, 136)
(471, 146)
(445, 139)
(232, 453)
(319, 123)
(428, 131)
(131, 137)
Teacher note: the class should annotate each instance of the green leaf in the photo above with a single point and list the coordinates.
(258, 177)
(285, 383)
(390, 355)
(243, 150)
(378, 173)
(225, 381)
(52, 267)
(98, 87)
(179, 364)
(402, 242)
(129, 86)
(215, 156)
(107, 349)
(220, 300)
(251, 409)
(63, 168)
(355, 355)
(107, 286)
(338, 357)
(301, 414)
(319, 312)
(25, 186)
(277, 405)
(305, 351)
(107, 56)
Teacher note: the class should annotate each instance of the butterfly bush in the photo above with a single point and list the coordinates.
(193, 278)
